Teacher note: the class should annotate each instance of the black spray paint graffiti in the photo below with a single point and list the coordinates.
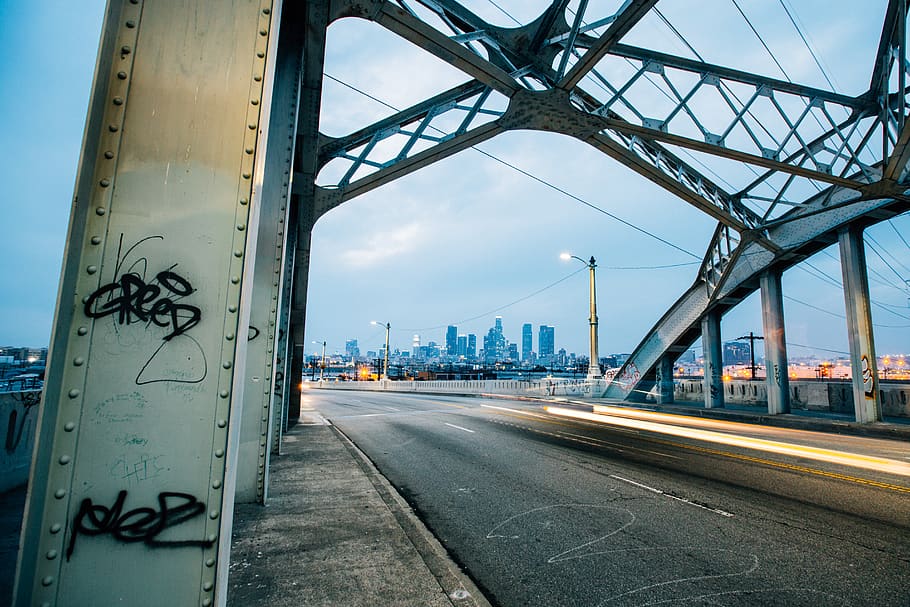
(131, 297)
(132, 300)
(140, 524)
(17, 423)
(868, 379)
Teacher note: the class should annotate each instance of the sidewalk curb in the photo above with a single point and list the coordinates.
(457, 585)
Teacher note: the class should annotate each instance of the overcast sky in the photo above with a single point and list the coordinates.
(468, 238)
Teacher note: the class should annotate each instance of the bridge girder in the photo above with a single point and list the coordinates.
(550, 75)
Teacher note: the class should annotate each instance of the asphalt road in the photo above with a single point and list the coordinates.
(545, 509)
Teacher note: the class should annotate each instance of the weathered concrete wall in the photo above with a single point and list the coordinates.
(834, 397)
(18, 415)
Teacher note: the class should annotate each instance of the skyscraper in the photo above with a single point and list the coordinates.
(451, 340)
(461, 349)
(545, 343)
(351, 349)
(526, 342)
(494, 343)
(472, 346)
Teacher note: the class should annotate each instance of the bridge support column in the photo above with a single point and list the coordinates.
(132, 488)
(282, 383)
(714, 361)
(297, 343)
(259, 405)
(777, 376)
(859, 326)
(664, 379)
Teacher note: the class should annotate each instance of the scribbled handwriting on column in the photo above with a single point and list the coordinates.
(142, 524)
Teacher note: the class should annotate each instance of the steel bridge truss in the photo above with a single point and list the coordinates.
(816, 159)
(180, 318)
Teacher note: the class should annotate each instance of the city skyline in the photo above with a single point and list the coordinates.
(480, 233)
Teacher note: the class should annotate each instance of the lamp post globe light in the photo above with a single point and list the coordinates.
(385, 365)
(593, 363)
(322, 368)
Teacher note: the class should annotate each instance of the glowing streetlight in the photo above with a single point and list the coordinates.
(593, 363)
(385, 367)
(322, 368)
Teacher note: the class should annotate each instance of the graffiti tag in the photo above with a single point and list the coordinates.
(140, 524)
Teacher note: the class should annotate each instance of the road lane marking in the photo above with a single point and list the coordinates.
(519, 411)
(674, 497)
(459, 427)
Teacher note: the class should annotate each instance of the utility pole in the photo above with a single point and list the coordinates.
(751, 337)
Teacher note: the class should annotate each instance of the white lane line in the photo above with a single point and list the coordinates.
(680, 499)
(392, 409)
(459, 427)
(528, 413)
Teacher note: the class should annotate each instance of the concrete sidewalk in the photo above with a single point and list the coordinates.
(336, 533)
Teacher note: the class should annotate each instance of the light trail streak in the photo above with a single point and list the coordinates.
(866, 462)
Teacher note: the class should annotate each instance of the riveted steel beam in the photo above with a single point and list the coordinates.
(136, 455)
(259, 405)
(411, 28)
(799, 237)
(630, 14)
(304, 190)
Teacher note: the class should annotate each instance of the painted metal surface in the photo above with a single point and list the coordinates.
(258, 411)
(132, 492)
(859, 326)
(714, 360)
(772, 307)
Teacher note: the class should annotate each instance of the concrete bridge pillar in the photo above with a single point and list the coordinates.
(859, 326)
(664, 379)
(714, 361)
(132, 488)
(776, 365)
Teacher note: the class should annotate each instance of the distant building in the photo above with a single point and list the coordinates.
(472, 346)
(545, 343)
(526, 342)
(737, 353)
(513, 352)
(452, 340)
(461, 346)
(494, 343)
(351, 349)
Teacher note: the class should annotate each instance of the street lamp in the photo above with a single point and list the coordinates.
(385, 367)
(322, 369)
(594, 363)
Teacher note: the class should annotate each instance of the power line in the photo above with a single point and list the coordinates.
(808, 46)
(899, 235)
(587, 204)
(762, 40)
(869, 240)
(504, 12)
(790, 343)
(537, 179)
(808, 305)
